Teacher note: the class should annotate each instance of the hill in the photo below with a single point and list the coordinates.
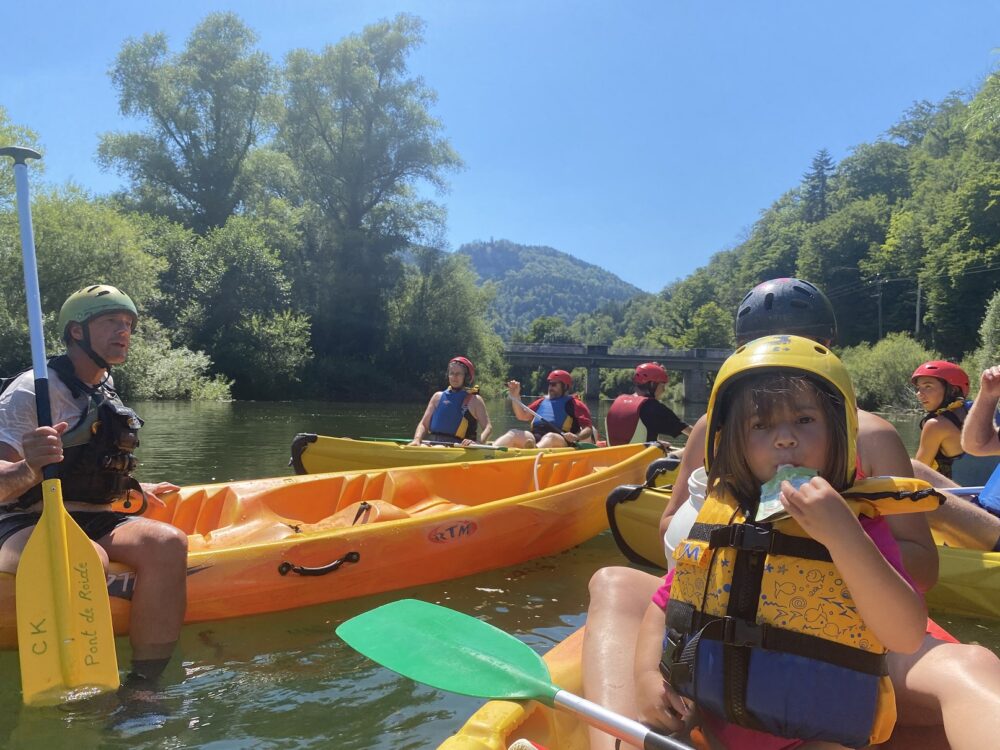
(532, 281)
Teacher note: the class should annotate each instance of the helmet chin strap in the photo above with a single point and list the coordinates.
(89, 351)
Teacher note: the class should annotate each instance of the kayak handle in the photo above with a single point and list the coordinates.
(286, 567)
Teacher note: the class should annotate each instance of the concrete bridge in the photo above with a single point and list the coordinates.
(693, 364)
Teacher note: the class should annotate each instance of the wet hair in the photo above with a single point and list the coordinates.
(761, 395)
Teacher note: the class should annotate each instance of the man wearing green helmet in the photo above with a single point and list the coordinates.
(92, 439)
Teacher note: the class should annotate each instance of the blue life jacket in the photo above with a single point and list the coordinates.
(553, 414)
(451, 417)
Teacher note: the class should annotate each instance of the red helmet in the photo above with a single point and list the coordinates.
(950, 373)
(560, 376)
(650, 372)
(467, 364)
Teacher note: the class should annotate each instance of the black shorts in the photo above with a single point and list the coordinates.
(95, 524)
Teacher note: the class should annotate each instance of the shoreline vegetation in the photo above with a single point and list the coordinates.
(273, 261)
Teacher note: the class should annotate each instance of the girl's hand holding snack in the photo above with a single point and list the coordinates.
(820, 511)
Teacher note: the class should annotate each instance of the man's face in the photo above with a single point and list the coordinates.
(556, 389)
(110, 336)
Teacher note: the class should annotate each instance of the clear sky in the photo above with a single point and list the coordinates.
(641, 136)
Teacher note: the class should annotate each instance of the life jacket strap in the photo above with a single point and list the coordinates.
(752, 538)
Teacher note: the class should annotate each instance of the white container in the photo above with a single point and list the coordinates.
(683, 520)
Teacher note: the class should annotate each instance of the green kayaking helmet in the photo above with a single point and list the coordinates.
(88, 303)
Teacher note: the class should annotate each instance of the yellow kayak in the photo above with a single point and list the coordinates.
(266, 545)
(314, 454)
(497, 724)
(968, 580)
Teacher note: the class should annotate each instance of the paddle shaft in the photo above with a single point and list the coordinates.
(960, 491)
(39, 365)
(615, 724)
(407, 441)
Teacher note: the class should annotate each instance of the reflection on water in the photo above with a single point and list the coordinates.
(285, 680)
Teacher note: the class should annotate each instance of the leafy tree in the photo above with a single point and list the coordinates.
(881, 373)
(436, 315)
(830, 257)
(207, 108)
(12, 134)
(711, 326)
(988, 352)
(880, 168)
(815, 188)
(360, 132)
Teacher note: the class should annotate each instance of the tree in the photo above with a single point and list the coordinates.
(815, 188)
(360, 132)
(207, 108)
(711, 326)
(12, 134)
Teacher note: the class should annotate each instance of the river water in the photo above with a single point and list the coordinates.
(285, 680)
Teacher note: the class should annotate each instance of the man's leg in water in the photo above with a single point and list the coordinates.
(619, 597)
(158, 554)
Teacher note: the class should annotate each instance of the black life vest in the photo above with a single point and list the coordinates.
(98, 451)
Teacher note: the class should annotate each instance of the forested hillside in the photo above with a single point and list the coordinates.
(533, 281)
(903, 234)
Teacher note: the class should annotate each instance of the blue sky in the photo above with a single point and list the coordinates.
(640, 136)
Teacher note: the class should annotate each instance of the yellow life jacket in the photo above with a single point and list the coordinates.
(762, 630)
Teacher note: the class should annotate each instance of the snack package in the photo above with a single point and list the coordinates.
(770, 508)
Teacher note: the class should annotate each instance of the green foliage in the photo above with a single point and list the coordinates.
(359, 131)
(207, 107)
(816, 189)
(436, 314)
(881, 373)
(987, 354)
(158, 370)
(12, 134)
(711, 327)
(533, 282)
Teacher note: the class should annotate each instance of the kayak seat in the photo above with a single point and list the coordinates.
(403, 489)
(249, 522)
(356, 514)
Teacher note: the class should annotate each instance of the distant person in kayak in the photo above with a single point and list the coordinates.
(941, 388)
(454, 415)
(92, 439)
(641, 417)
(980, 436)
(943, 689)
(558, 419)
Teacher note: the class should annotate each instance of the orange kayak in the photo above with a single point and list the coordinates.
(266, 545)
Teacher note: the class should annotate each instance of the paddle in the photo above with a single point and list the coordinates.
(65, 638)
(407, 441)
(536, 415)
(458, 653)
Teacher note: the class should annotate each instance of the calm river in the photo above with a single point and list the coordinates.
(285, 680)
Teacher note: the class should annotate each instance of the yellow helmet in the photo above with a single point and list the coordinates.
(783, 353)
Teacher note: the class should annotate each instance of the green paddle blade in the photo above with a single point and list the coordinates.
(450, 651)
(65, 636)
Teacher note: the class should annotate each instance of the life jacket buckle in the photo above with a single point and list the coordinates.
(738, 632)
(742, 536)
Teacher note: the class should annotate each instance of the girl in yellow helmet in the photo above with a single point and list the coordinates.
(777, 623)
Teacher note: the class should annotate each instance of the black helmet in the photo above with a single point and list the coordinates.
(785, 306)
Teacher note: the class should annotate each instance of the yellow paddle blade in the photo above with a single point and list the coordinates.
(65, 636)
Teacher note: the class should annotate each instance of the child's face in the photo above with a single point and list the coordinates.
(796, 432)
(930, 392)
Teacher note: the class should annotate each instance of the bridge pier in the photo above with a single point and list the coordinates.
(593, 382)
(696, 386)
